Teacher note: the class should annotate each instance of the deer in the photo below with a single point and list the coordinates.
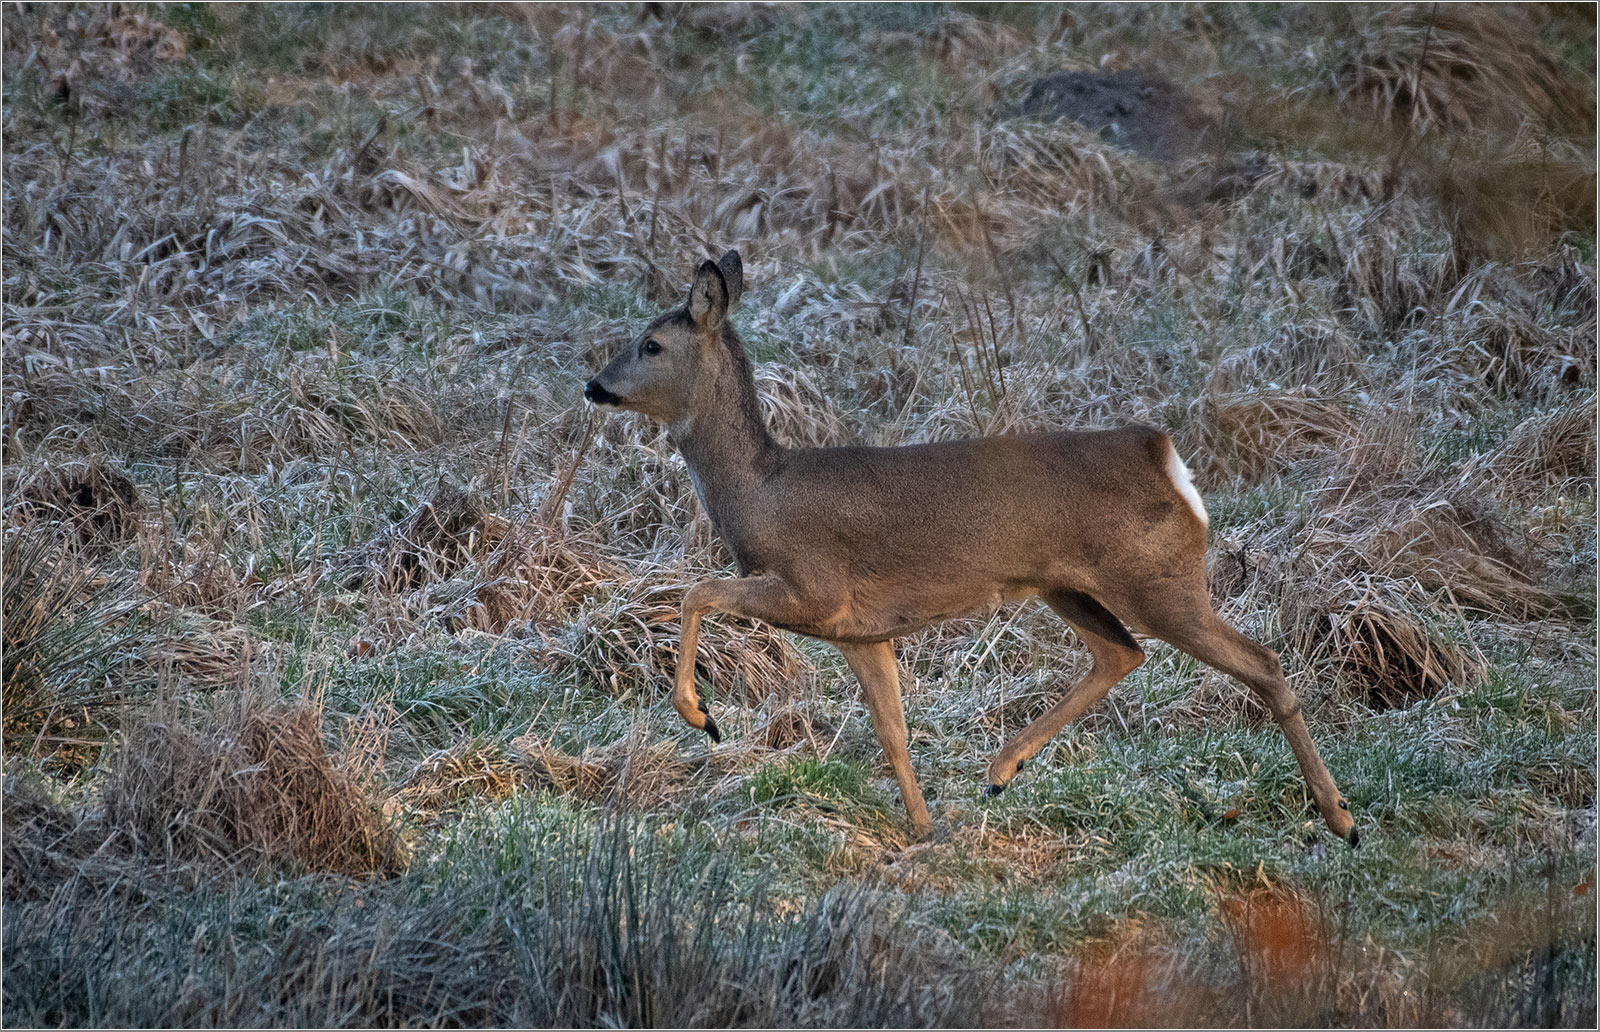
(857, 546)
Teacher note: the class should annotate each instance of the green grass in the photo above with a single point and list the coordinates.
(840, 787)
(1240, 508)
(765, 885)
(194, 95)
(675, 930)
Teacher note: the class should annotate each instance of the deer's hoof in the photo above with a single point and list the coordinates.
(710, 726)
(993, 790)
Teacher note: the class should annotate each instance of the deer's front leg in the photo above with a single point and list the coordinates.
(879, 674)
(767, 598)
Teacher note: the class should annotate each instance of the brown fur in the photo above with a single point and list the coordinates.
(857, 546)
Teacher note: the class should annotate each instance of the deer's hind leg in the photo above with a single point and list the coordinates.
(1116, 655)
(874, 665)
(1198, 630)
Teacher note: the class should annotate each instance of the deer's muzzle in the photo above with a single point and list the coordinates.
(599, 395)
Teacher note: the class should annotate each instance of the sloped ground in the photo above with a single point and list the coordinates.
(337, 632)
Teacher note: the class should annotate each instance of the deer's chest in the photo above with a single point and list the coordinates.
(750, 550)
(735, 524)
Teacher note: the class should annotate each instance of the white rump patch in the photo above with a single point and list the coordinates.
(1185, 485)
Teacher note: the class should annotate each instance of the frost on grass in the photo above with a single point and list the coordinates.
(298, 311)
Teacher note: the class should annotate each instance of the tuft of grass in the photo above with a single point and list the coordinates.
(836, 786)
(273, 274)
(634, 925)
(67, 625)
(254, 786)
(1461, 67)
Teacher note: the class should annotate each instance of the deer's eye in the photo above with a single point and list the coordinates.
(652, 347)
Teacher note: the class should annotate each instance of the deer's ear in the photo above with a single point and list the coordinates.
(708, 297)
(732, 270)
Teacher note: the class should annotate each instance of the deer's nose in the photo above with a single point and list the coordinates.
(598, 394)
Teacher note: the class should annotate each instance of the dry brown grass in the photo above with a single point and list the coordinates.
(44, 843)
(1368, 634)
(192, 572)
(453, 528)
(470, 770)
(630, 772)
(1555, 449)
(1513, 199)
(65, 619)
(250, 785)
(798, 411)
(1250, 435)
(1503, 351)
(1461, 66)
(638, 772)
(247, 315)
(254, 784)
(957, 39)
(1444, 539)
(94, 495)
(538, 577)
(626, 642)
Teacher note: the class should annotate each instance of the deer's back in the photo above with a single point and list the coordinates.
(1003, 509)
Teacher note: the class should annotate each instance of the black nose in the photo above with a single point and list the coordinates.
(598, 394)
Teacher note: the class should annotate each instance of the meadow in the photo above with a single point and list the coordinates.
(338, 630)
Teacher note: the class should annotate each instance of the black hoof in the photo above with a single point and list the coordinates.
(710, 727)
(993, 790)
(1355, 839)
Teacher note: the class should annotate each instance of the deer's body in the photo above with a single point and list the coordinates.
(858, 546)
(886, 541)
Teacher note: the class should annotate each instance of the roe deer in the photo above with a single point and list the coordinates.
(858, 546)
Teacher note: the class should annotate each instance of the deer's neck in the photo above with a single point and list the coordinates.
(725, 440)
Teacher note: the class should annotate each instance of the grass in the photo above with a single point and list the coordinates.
(830, 786)
(657, 929)
(302, 504)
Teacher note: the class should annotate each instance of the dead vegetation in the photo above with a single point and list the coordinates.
(1390, 648)
(250, 786)
(538, 577)
(1442, 538)
(627, 642)
(641, 773)
(1460, 67)
(635, 773)
(1555, 449)
(1249, 435)
(256, 785)
(97, 498)
(296, 322)
(65, 620)
(452, 528)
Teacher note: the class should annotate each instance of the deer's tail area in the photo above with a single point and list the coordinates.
(1185, 484)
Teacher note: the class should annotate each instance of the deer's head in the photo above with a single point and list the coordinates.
(659, 372)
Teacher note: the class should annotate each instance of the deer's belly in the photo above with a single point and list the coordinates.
(864, 620)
